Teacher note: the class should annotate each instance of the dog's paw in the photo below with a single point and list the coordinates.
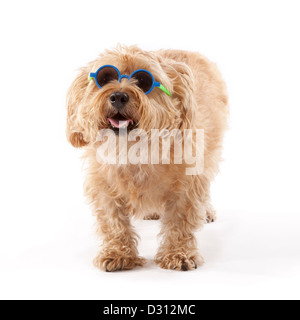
(154, 216)
(211, 215)
(113, 262)
(178, 261)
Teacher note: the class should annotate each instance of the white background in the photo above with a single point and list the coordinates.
(47, 239)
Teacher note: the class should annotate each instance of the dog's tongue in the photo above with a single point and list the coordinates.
(120, 123)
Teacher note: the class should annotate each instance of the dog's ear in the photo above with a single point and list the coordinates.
(76, 131)
(182, 80)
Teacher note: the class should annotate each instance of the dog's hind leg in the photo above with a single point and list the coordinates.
(211, 215)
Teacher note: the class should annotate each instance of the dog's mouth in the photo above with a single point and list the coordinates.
(119, 122)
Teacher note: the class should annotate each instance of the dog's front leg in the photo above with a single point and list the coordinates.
(178, 250)
(119, 249)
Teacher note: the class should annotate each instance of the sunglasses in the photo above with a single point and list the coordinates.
(144, 78)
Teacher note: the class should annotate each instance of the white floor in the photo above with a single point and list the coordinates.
(243, 261)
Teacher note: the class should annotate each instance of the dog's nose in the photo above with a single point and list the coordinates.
(119, 99)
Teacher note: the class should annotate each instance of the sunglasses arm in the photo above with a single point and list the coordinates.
(92, 75)
(161, 87)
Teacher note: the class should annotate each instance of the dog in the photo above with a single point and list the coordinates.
(187, 92)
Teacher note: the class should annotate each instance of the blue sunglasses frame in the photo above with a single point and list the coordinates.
(93, 75)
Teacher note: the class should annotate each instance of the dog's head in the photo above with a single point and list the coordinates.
(91, 108)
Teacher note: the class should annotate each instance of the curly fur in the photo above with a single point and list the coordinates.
(119, 192)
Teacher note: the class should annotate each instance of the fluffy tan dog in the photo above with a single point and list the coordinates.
(119, 192)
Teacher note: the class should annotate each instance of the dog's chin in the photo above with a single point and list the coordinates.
(120, 123)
